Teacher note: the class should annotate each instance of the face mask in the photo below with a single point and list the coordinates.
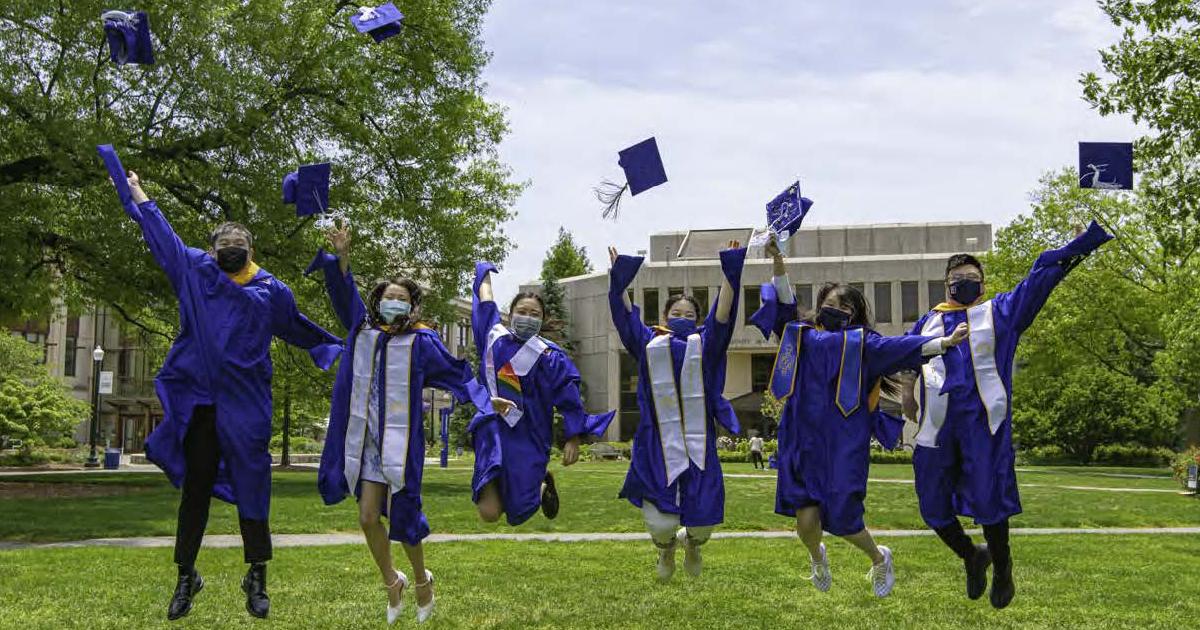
(681, 325)
(526, 327)
(966, 291)
(832, 319)
(232, 259)
(391, 310)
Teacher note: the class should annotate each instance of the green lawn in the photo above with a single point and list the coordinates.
(589, 504)
(1062, 581)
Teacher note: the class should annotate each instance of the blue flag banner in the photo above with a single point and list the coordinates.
(786, 211)
(1106, 165)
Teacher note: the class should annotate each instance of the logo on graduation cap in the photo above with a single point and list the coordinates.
(1106, 165)
(308, 188)
(643, 170)
(128, 34)
(786, 211)
(380, 22)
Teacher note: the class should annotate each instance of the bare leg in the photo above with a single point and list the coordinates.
(373, 496)
(490, 507)
(808, 528)
(866, 543)
(416, 556)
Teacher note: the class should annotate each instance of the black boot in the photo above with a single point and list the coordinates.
(255, 587)
(550, 498)
(186, 588)
(1003, 588)
(976, 566)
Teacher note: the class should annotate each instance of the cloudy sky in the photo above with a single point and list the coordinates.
(887, 111)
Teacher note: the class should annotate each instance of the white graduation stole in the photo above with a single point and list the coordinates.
(522, 363)
(393, 441)
(992, 392)
(681, 411)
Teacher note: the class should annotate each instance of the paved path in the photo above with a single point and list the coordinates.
(322, 540)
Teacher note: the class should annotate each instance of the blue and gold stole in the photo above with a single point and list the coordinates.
(849, 382)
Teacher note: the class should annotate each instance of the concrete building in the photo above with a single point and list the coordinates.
(899, 267)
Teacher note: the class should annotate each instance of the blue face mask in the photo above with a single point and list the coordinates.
(681, 325)
(391, 310)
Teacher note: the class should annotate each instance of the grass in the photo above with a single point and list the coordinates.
(1063, 581)
(590, 504)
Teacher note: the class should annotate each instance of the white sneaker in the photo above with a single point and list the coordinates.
(393, 613)
(692, 562)
(666, 562)
(883, 576)
(821, 577)
(426, 611)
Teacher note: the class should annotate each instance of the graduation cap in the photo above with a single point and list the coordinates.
(786, 211)
(643, 170)
(380, 22)
(308, 188)
(1106, 165)
(128, 34)
(116, 172)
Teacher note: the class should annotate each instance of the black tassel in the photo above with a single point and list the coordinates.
(609, 194)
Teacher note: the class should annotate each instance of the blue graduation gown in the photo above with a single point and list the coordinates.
(432, 366)
(517, 456)
(222, 357)
(697, 496)
(824, 454)
(972, 472)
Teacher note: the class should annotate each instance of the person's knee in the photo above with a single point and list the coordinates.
(368, 519)
(489, 511)
(662, 527)
(699, 535)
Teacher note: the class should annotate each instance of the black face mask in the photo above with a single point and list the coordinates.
(966, 291)
(232, 259)
(832, 319)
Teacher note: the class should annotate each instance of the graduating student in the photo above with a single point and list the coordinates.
(964, 460)
(829, 373)
(375, 444)
(674, 473)
(528, 378)
(215, 388)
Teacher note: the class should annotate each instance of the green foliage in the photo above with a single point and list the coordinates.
(34, 407)
(565, 258)
(1132, 455)
(296, 444)
(240, 94)
(1181, 462)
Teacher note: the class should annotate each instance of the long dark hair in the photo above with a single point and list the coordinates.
(376, 295)
(852, 297)
(527, 295)
(674, 299)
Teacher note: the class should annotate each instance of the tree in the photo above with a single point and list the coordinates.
(565, 258)
(34, 407)
(243, 92)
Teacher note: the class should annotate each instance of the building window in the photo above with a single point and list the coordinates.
(761, 366)
(861, 286)
(804, 297)
(69, 357)
(123, 362)
(673, 291)
(753, 301)
(883, 302)
(650, 306)
(909, 306)
(629, 414)
(937, 292)
(701, 295)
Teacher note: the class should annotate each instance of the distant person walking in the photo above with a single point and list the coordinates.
(756, 450)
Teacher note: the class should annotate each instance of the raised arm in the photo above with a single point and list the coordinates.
(1022, 304)
(484, 312)
(777, 299)
(339, 282)
(294, 328)
(732, 259)
(626, 318)
(886, 355)
(168, 250)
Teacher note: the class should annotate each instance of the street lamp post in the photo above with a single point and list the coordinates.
(97, 361)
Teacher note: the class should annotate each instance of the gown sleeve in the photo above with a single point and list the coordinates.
(886, 355)
(778, 309)
(484, 315)
(342, 289)
(569, 402)
(168, 250)
(633, 333)
(717, 337)
(290, 325)
(1021, 305)
(449, 373)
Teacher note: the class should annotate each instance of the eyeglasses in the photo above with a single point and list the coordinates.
(965, 276)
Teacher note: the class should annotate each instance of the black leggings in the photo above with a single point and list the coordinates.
(201, 453)
(756, 459)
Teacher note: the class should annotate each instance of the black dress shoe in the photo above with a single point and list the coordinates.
(550, 498)
(976, 567)
(255, 587)
(1003, 588)
(186, 588)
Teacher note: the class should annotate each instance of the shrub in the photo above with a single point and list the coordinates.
(898, 456)
(1179, 465)
(297, 444)
(1132, 455)
(1043, 455)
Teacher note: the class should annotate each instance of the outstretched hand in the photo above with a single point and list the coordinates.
(960, 333)
(135, 188)
(732, 245)
(612, 255)
(338, 235)
(502, 405)
(570, 451)
(772, 247)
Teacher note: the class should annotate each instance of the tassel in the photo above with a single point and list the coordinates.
(609, 194)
